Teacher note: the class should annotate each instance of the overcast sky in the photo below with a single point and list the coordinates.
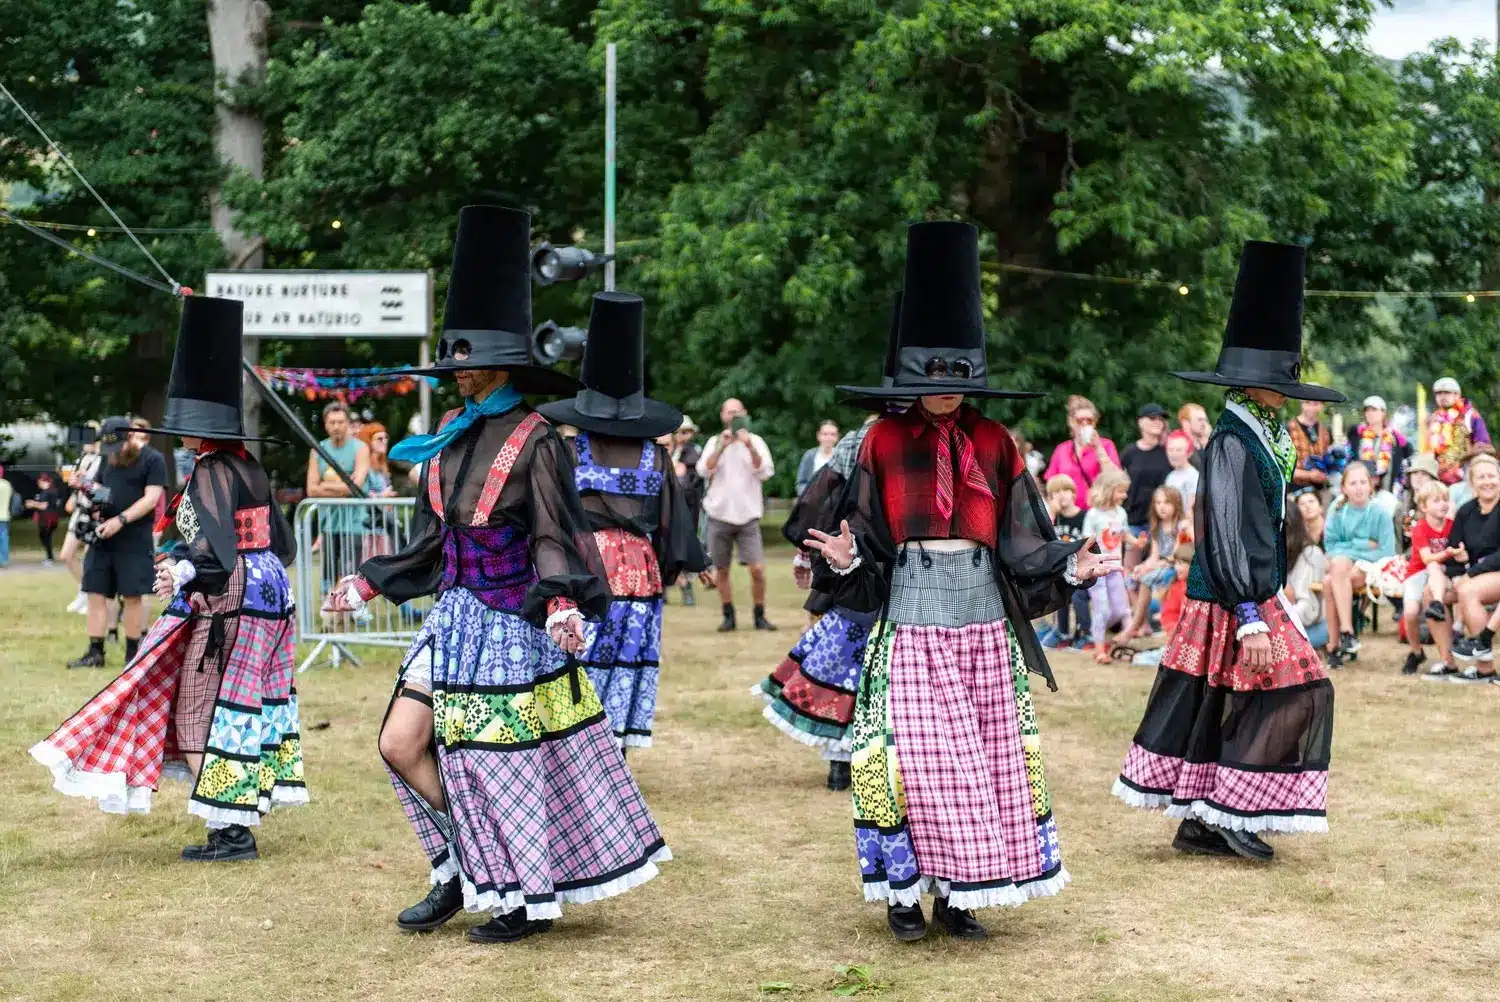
(1412, 24)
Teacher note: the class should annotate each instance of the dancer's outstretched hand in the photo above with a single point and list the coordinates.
(1093, 564)
(837, 550)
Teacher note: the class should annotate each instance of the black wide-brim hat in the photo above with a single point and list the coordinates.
(612, 400)
(940, 332)
(487, 320)
(1263, 338)
(206, 388)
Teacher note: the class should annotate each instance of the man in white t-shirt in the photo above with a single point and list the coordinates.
(735, 465)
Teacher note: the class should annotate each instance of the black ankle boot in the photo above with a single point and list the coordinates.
(957, 923)
(761, 622)
(442, 903)
(132, 648)
(906, 921)
(1247, 844)
(508, 928)
(728, 625)
(1195, 837)
(93, 657)
(224, 845)
(838, 776)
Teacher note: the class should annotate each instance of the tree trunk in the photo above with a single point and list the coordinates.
(237, 37)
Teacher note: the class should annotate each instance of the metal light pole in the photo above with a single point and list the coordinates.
(609, 165)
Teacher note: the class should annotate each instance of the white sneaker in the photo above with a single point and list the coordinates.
(80, 603)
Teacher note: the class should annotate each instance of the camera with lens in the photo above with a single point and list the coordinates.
(93, 498)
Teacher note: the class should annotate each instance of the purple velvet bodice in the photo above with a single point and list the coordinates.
(492, 563)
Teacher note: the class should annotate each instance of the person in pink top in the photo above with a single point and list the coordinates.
(1085, 454)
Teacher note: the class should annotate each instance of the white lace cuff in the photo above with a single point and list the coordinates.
(853, 564)
(1250, 629)
(561, 615)
(182, 572)
(1070, 572)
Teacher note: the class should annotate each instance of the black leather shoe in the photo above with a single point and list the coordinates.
(509, 928)
(224, 845)
(1193, 836)
(92, 659)
(906, 921)
(761, 622)
(728, 625)
(957, 923)
(838, 776)
(1247, 844)
(442, 903)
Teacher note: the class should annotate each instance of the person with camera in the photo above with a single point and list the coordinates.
(736, 465)
(115, 523)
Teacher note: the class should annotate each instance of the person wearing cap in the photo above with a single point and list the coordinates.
(1421, 469)
(685, 456)
(944, 530)
(1313, 440)
(1379, 446)
(809, 696)
(1453, 428)
(641, 524)
(1237, 732)
(495, 738)
(131, 480)
(1145, 462)
(212, 687)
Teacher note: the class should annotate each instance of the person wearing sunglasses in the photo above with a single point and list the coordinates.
(1086, 453)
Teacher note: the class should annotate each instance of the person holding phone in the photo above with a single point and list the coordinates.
(736, 466)
(1086, 453)
(1237, 732)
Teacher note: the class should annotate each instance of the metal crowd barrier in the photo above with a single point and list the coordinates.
(348, 531)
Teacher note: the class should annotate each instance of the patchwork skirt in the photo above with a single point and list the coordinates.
(1233, 747)
(810, 695)
(950, 796)
(542, 809)
(622, 653)
(214, 675)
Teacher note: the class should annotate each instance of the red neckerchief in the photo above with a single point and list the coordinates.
(208, 446)
(949, 437)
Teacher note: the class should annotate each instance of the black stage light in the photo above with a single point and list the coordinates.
(551, 344)
(551, 264)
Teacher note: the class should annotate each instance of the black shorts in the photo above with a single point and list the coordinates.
(127, 571)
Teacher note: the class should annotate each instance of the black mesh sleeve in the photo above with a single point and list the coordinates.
(214, 551)
(865, 588)
(678, 548)
(567, 560)
(816, 507)
(418, 569)
(1030, 551)
(1238, 541)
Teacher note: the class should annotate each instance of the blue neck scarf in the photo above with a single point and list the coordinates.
(420, 448)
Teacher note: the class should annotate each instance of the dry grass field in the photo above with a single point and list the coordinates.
(1398, 902)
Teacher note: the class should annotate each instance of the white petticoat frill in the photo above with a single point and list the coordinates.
(1144, 801)
(634, 741)
(498, 904)
(220, 817)
(1281, 824)
(1008, 896)
(114, 794)
(838, 746)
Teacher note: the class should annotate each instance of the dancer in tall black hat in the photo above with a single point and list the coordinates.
(495, 739)
(1236, 735)
(211, 688)
(810, 695)
(946, 534)
(635, 507)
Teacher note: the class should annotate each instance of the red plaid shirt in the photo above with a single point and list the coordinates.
(901, 451)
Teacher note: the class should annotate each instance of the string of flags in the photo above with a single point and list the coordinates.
(347, 385)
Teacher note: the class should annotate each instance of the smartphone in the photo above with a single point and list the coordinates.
(739, 423)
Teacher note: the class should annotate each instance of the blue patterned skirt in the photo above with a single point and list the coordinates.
(623, 658)
(810, 695)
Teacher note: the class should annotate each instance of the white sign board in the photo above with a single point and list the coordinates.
(305, 304)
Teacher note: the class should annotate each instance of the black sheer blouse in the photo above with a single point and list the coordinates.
(539, 499)
(223, 483)
(663, 518)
